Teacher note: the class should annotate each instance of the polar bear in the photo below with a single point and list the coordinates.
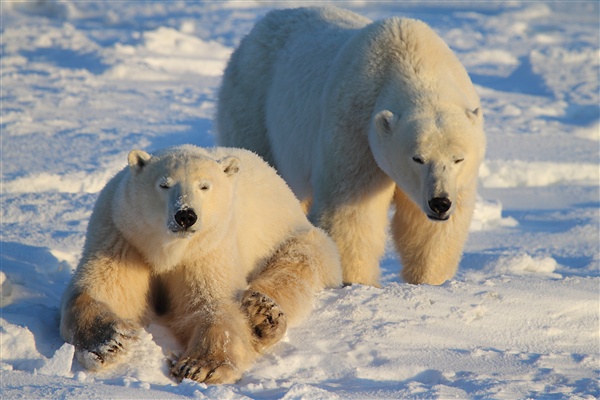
(357, 115)
(214, 243)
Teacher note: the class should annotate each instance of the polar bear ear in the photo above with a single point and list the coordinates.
(137, 159)
(475, 114)
(230, 164)
(384, 122)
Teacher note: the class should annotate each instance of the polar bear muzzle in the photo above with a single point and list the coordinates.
(440, 207)
(186, 218)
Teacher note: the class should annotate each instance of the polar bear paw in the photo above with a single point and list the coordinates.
(105, 343)
(267, 321)
(205, 370)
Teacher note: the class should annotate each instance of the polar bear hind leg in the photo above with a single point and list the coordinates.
(284, 289)
(267, 320)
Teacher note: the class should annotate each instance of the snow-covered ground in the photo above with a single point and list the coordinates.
(85, 82)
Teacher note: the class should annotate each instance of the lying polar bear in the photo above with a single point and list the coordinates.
(211, 240)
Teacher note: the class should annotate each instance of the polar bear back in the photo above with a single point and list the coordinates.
(298, 66)
(285, 49)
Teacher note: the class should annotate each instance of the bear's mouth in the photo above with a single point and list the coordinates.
(438, 218)
(176, 230)
(183, 232)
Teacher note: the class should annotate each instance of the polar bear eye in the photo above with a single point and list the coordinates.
(418, 160)
(204, 186)
(165, 183)
(459, 160)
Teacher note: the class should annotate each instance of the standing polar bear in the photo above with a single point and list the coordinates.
(356, 115)
(212, 241)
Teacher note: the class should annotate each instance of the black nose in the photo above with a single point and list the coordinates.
(186, 217)
(440, 205)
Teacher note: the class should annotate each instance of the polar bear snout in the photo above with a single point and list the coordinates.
(440, 207)
(186, 218)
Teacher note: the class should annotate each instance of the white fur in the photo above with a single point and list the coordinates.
(343, 107)
(250, 236)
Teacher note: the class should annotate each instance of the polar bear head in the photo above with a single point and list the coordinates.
(433, 155)
(177, 194)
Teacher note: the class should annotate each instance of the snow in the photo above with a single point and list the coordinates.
(85, 82)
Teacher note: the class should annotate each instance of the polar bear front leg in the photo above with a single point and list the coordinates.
(220, 347)
(100, 337)
(103, 309)
(357, 223)
(430, 251)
